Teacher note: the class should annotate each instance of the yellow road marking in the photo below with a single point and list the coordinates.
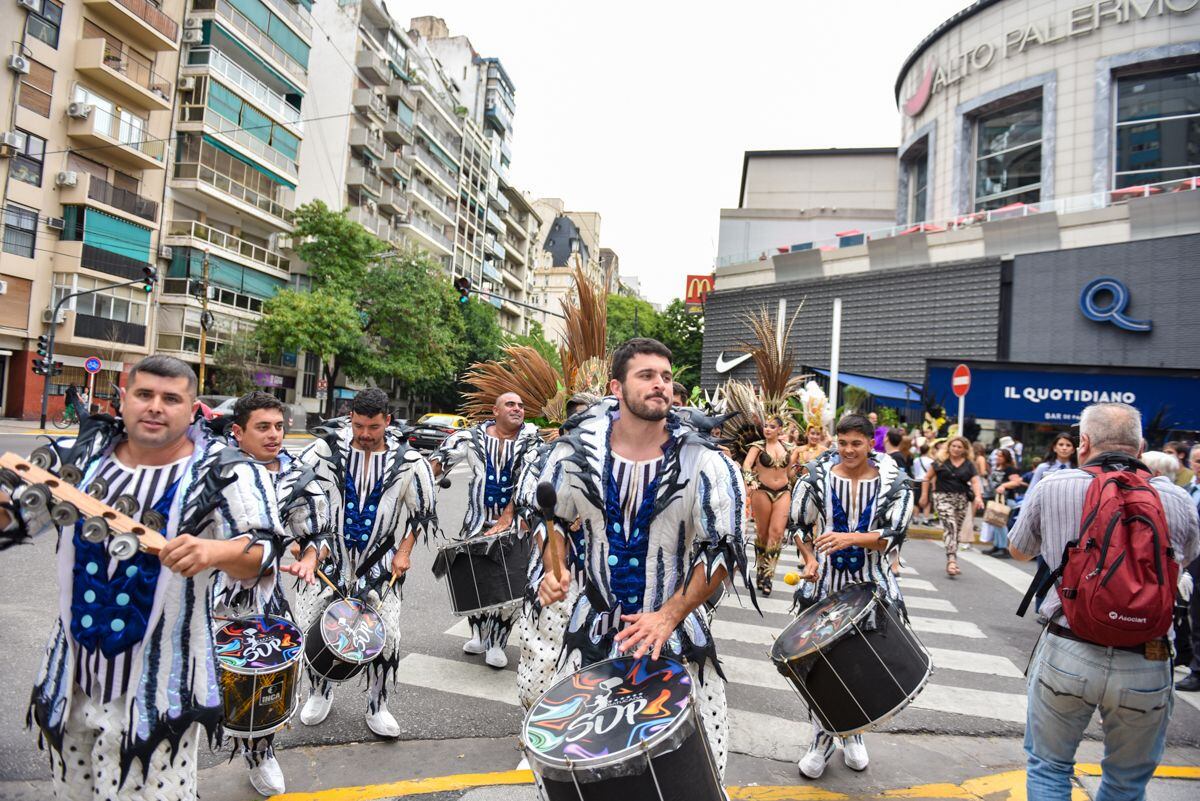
(1007, 785)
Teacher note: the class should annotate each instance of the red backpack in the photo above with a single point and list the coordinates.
(1119, 577)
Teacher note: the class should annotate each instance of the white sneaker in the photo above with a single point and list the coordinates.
(473, 646)
(383, 723)
(854, 753)
(496, 657)
(316, 708)
(964, 546)
(813, 763)
(267, 777)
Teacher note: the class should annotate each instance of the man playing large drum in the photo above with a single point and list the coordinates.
(374, 477)
(663, 514)
(853, 507)
(496, 451)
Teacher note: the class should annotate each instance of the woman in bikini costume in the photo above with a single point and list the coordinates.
(766, 472)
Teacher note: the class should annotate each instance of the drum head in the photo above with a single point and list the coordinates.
(603, 713)
(353, 630)
(258, 644)
(824, 623)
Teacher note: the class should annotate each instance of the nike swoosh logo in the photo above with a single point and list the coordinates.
(916, 104)
(724, 366)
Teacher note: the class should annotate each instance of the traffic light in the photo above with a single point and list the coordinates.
(150, 277)
(41, 365)
(463, 285)
(43, 348)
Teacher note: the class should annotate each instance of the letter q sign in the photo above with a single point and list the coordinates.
(1104, 300)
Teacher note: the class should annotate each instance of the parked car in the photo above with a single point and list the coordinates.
(431, 429)
(295, 418)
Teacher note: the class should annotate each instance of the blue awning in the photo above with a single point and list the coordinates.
(879, 387)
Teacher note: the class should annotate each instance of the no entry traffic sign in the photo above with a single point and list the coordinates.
(960, 382)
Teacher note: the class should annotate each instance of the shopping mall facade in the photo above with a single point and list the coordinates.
(1046, 226)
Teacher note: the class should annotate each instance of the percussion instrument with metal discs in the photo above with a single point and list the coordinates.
(344, 639)
(853, 659)
(622, 730)
(483, 573)
(259, 657)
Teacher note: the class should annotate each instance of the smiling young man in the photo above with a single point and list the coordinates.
(663, 515)
(851, 511)
(372, 477)
(496, 451)
(130, 678)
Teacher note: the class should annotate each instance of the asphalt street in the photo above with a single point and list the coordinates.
(974, 699)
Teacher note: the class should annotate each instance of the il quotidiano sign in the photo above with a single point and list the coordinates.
(937, 73)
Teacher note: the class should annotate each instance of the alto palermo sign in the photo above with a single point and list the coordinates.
(1081, 20)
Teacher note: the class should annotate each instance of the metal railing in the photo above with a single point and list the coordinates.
(151, 15)
(205, 170)
(137, 71)
(228, 242)
(230, 129)
(1062, 205)
(252, 32)
(102, 191)
(108, 124)
(271, 101)
(432, 199)
(448, 140)
(431, 163)
(431, 231)
(291, 12)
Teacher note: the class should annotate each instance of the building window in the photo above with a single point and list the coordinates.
(36, 88)
(1008, 155)
(20, 230)
(916, 170)
(27, 163)
(45, 22)
(311, 364)
(1158, 127)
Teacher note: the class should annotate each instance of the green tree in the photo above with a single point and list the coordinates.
(630, 317)
(683, 332)
(233, 367)
(536, 339)
(481, 339)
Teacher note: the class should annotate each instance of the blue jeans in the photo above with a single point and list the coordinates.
(1067, 682)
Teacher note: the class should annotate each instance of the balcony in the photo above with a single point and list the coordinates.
(500, 202)
(213, 169)
(398, 89)
(189, 233)
(429, 234)
(397, 133)
(373, 69)
(510, 278)
(366, 101)
(447, 140)
(291, 12)
(431, 200)
(516, 254)
(395, 163)
(363, 140)
(264, 96)
(493, 221)
(92, 191)
(255, 35)
(434, 168)
(118, 142)
(106, 330)
(495, 248)
(124, 77)
(393, 201)
(230, 130)
(384, 230)
(139, 20)
(505, 180)
(364, 217)
(360, 178)
(497, 115)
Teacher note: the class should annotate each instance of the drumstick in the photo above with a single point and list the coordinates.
(547, 499)
(332, 586)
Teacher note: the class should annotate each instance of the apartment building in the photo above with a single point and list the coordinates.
(89, 89)
(567, 239)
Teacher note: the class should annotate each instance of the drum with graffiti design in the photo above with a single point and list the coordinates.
(853, 659)
(259, 658)
(344, 639)
(624, 729)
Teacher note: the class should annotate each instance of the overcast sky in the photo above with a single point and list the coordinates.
(642, 110)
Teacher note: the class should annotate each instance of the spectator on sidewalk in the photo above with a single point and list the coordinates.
(1191, 682)
(1069, 677)
(1003, 482)
(891, 446)
(954, 486)
(922, 463)
(1180, 450)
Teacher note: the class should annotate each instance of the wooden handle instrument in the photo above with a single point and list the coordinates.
(149, 540)
(547, 499)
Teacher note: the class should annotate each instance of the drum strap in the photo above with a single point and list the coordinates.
(387, 542)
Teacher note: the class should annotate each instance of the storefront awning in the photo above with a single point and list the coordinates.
(879, 387)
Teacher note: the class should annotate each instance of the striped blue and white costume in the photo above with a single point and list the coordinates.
(496, 465)
(646, 527)
(130, 677)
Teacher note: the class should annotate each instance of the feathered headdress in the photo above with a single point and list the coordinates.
(814, 406)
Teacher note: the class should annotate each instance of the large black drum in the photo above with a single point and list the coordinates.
(259, 658)
(485, 573)
(344, 639)
(853, 659)
(621, 730)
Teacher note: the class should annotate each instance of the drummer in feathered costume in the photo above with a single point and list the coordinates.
(851, 511)
(374, 478)
(663, 522)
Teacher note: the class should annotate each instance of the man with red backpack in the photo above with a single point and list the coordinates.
(1113, 538)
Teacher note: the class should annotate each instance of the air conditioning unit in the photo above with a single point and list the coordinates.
(18, 64)
(187, 83)
(13, 139)
(371, 206)
(280, 242)
(49, 317)
(80, 111)
(165, 252)
(29, 5)
(66, 178)
(194, 36)
(193, 23)
(56, 223)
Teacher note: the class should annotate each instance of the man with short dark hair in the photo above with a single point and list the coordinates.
(496, 451)
(1070, 677)
(679, 394)
(663, 513)
(372, 476)
(130, 676)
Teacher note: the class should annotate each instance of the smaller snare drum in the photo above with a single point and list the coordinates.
(485, 573)
(259, 658)
(344, 639)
